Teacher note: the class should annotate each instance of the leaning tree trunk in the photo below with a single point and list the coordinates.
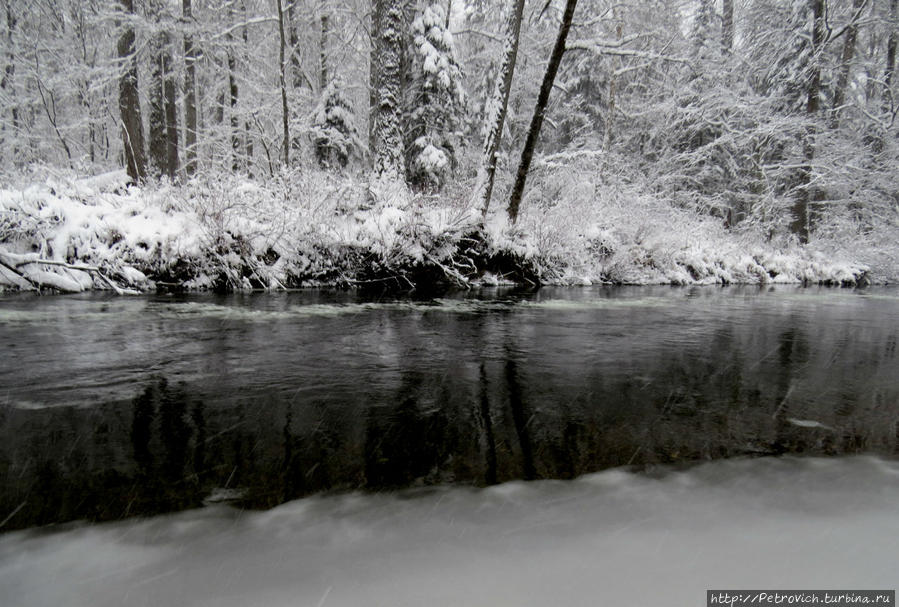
(800, 224)
(129, 102)
(496, 110)
(190, 93)
(549, 78)
(839, 91)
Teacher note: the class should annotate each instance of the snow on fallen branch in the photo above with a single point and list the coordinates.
(13, 262)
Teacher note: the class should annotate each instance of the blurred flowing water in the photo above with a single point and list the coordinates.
(111, 407)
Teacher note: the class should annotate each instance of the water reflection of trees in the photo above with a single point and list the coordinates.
(484, 409)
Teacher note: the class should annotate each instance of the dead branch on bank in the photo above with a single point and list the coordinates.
(13, 262)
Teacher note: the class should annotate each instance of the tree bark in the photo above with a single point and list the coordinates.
(129, 102)
(814, 90)
(283, 82)
(549, 78)
(388, 131)
(610, 112)
(890, 67)
(296, 74)
(839, 91)
(247, 138)
(160, 94)
(163, 112)
(7, 81)
(727, 25)
(190, 93)
(800, 223)
(374, 41)
(233, 97)
(171, 119)
(323, 52)
(496, 109)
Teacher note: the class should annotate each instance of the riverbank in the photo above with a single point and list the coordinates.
(316, 229)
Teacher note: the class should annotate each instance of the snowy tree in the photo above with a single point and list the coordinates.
(436, 100)
(334, 132)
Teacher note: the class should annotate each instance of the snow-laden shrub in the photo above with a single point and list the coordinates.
(588, 226)
(334, 133)
(578, 225)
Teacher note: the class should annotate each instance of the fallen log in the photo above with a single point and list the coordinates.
(12, 262)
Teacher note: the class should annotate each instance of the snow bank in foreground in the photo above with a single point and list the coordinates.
(308, 229)
(612, 538)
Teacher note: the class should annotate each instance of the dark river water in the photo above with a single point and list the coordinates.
(111, 407)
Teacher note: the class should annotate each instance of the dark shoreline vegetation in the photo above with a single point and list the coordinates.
(484, 417)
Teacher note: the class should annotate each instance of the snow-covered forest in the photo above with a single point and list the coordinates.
(266, 144)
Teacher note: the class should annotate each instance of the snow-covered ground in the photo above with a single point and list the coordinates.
(613, 538)
(308, 229)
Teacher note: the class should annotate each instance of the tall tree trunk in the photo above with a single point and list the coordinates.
(496, 109)
(323, 52)
(171, 118)
(610, 112)
(549, 78)
(800, 223)
(190, 93)
(163, 113)
(283, 82)
(162, 96)
(388, 132)
(129, 102)
(7, 81)
(889, 69)
(247, 139)
(839, 91)
(296, 73)
(375, 41)
(727, 25)
(233, 99)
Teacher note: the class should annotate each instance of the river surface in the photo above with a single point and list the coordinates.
(111, 407)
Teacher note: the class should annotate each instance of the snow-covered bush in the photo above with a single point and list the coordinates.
(309, 227)
(334, 133)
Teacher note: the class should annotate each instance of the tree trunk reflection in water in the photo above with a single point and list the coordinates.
(406, 394)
